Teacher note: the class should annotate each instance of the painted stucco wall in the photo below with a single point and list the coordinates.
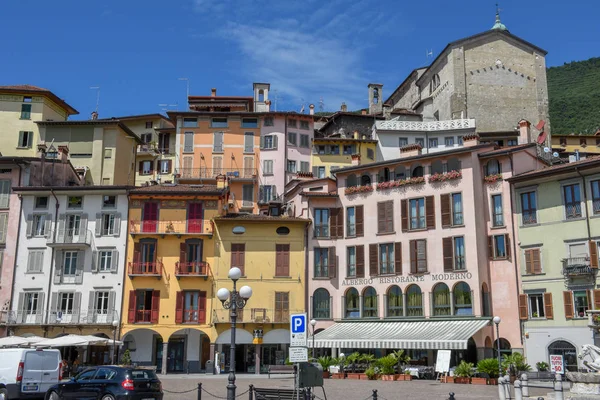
(276, 155)
(342, 160)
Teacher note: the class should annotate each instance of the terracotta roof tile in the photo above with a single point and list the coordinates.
(23, 87)
(589, 162)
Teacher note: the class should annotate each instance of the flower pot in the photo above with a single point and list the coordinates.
(353, 375)
(492, 381)
(447, 379)
(338, 375)
(408, 377)
(479, 381)
(388, 377)
(363, 377)
(325, 374)
(462, 380)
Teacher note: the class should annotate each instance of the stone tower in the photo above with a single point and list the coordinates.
(375, 98)
(261, 97)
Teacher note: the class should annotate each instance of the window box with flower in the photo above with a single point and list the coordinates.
(417, 180)
(446, 176)
(358, 189)
(493, 178)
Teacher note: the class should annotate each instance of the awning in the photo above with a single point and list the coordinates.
(430, 334)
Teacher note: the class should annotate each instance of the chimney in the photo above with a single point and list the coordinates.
(410, 150)
(311, 108)
(63, 154)
(387, 111)
(42, 148)
(268, 105)
(94, 115)
(355, 135)
(524, 131)
(344, 107)
(221, 181)
(213, 92)
(471, 139)
(363, 111)
(355, 159)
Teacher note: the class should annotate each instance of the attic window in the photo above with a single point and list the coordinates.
(283, 230)
(315, 189)
(239, 230)
(27, 99)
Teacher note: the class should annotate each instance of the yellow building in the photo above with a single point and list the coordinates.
(567, 145)
(332, 153)
(20, 107)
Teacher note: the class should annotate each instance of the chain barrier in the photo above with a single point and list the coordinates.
(223, 398)
(186, 391)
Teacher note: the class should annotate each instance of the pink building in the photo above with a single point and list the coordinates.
(416, 253)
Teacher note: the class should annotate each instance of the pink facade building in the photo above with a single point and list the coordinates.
(416, 253)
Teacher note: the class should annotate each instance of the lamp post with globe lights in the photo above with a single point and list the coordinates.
(233, 300)
(313, 322)
(497, 321)
(115, 325)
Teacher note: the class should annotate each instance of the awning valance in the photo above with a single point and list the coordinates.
(429, 334)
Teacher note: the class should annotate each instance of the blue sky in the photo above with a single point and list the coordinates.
(307, 49)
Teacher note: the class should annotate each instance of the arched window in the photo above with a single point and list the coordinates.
(375, 96)
(394, 302)
(351, 303)
(365, 180)
(321, 304)
(437, 167)
(261, 95)
(400, 173)
(463, 304)
(416, 171)
(453, 164)
(370, 303)
(567, 350)
(441, 300)
(492, 167)
(351, 180)
(414, 301)
(505, 348)
(384, 175)
(485, 301)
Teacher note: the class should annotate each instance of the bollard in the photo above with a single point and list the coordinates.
(374, 394)
(558, 388)
(501, 392)
(507, 386)
(518, 390)
(451, 394)
(525, 385)
(250, 391)
(199, 391)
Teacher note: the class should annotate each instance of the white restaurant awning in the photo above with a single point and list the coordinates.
(429, 334)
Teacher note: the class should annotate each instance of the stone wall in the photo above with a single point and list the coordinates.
(346, 124)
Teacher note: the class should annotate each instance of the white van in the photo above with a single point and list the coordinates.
(28, 373)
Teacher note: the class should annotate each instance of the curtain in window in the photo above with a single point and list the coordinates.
(441, 300)
(414, 302)
(463, 304)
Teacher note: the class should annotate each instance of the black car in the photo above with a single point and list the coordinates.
(109, 383)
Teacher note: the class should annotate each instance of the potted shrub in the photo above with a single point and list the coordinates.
(489, 367)
(369, 360)
(401, 359)
(407, 375)
(542, 366)
(513, 365)
(463, 372)
(126, 358)
(339, 362)
(372, 373)
(351, 362)
(387, 364)
(448, 379)
(326, 362)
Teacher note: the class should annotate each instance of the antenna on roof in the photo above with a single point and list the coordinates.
(428, 54)
(97, 96)
(302, 103)
(321, 104)
(275, 99)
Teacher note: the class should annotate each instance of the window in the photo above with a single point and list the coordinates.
(304, 125)
(365, 179)
(321, 262)
(511, 142)
(31, 303)
(73, 224)
(65, 303)
(194, 307)
(449, 141)
(146, 167)
(105, 260)
(563, 141)
(402, 141)
(349, 149)
(3, 227)
(282, 306)
(394, 302)
(292, 139)
(146, 137)
(292, 123)
(433, 143)
(101, 303)
(163, 142)
(386, 258)
(164, 166)
(238, 256)
(149, 124)
(418, 256)
(74, 202)
(25, 139)
(267, 167)
(370, 154)
(421, 142)
(459, 253)
(463, 304)
(536, 305)
(282, 260)
(320, 172)
(268, 121)
(441, 300)
(322, 222)
(414, 301)
(4, 193)
(143, 305)
(108, 222)
(528, 208)
(69, 265)
(291, 166)
(219, 123)
(352, 308)
(568, 351)
(370, 303)
(497, 214)
(247, 195)
(304, 142)
(218, 142)
(25, 111)
(572, 199)
(35, 260)
(460, 140)
(581, 303)
(596, 196)
(417, 171)
(334, 149)
(41, 202)
(417, 213)
(492, 168)
(269, 142)
(351, 221)
(249, 122)
(385, 217)
(304, 166)
(351, 261)
(533, 263)
(499, 246)
(248, 142)
(457, 213)
(27, 99)
(321, 304)
(583, 142)
(39, 227)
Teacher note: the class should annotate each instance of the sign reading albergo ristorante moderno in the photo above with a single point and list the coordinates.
(454, 276)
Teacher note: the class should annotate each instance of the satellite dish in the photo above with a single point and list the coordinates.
(546, 150)
(555, 154)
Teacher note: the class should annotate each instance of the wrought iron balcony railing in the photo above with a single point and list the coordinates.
(212, 173)
(192, 269)
(70, 238)
(576, 266)
(191, 227)
(61, 317)
(255, 316)
(145, 269)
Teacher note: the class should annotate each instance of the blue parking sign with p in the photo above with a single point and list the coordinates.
(299, 323)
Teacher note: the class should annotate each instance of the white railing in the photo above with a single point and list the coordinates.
(396, 125)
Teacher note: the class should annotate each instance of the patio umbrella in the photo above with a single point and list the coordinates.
(15, 341)
(64, 341)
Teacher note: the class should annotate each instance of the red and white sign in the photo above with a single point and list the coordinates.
(556, 364)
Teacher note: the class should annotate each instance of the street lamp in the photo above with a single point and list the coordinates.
(497, 321)
(233, 300)
(313, 322)
(115, 324)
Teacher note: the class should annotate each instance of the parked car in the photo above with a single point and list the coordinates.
(109, 383)
(28, 373)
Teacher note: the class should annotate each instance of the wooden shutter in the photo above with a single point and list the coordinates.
(398, 258)
(333, 220)
(404, 214)
(507, 245)
(381, 217)
(29, 225)
(98, 230)
(491, 247)
(241, 257)
(448, 250)
(596, 293)
(389, 216)
(589, 299)
(183, 254)
(141, 168)
(430, 212)
(95, 260)
(48, 226)
(169, 166)
(360, 261)
(115, 261)
(79, 266)
(275, 139)
(413, 256)
(548, 308)
(340, 223)
(446, 211)
(77, 305)
(155, 306)
(53, 304)
(332, 260)
(529, 262)
(286, 260)
(202, 308)
(593, 254)
(360, 218)
(262, 142)
(568, 302)
(179, 308)
(373, 260)
(523, 311)
(536, 261)
(132, 305)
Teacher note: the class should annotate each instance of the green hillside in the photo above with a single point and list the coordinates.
(574, 94)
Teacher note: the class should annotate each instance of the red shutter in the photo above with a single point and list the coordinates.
(360, 261)
(398, 258)
(523, 312)
(202, 308)
(278, 260)
(155, 306)
(332, 259)
(373, 260)
(380, 217)
(448, 251)
(548, 308)
(340, 223)
(404, 214)
(241, 257)
(169, 166)
(234, 257)
(179, 308)
(360, 229)
(593, 254)
(413, 256)
(132, 306)
(568, 301)
(430, 212)
(141, 167)
(446, 213)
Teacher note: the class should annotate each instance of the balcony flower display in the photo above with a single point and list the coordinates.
(404, 182)
(493, 178)
(359, 189)
(446, 176)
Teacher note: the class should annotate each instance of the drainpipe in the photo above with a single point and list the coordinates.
(52, 263)
(120, 316)
(10, 304)
(306, 272)
(587, 214)
(285, 155)
(514, 242)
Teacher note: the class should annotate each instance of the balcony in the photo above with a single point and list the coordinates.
(193, 316)
(148, 148)
(177, 228)
(577, 266)
(199, 269)
(420, 126)
(255, 316)
(151, 269)
(142, 316)
(212, 173)
(57, 317)
(72, 238)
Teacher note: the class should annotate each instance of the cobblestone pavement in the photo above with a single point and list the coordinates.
(348, 389)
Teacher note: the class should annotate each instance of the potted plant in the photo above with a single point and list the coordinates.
(369, 360)
(447, 378)
(126, 358)
(401, 359)
(372, 373)
(387, 364)
(351, 361)
(339, 362)
(542, 366)
(326, 362)
(407, 375)
(489, 367)
(513, 365)
(463, 372)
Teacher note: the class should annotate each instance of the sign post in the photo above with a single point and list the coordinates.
(298, 349)
(557, 364)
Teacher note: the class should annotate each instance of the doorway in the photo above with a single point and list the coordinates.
(176, 355)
